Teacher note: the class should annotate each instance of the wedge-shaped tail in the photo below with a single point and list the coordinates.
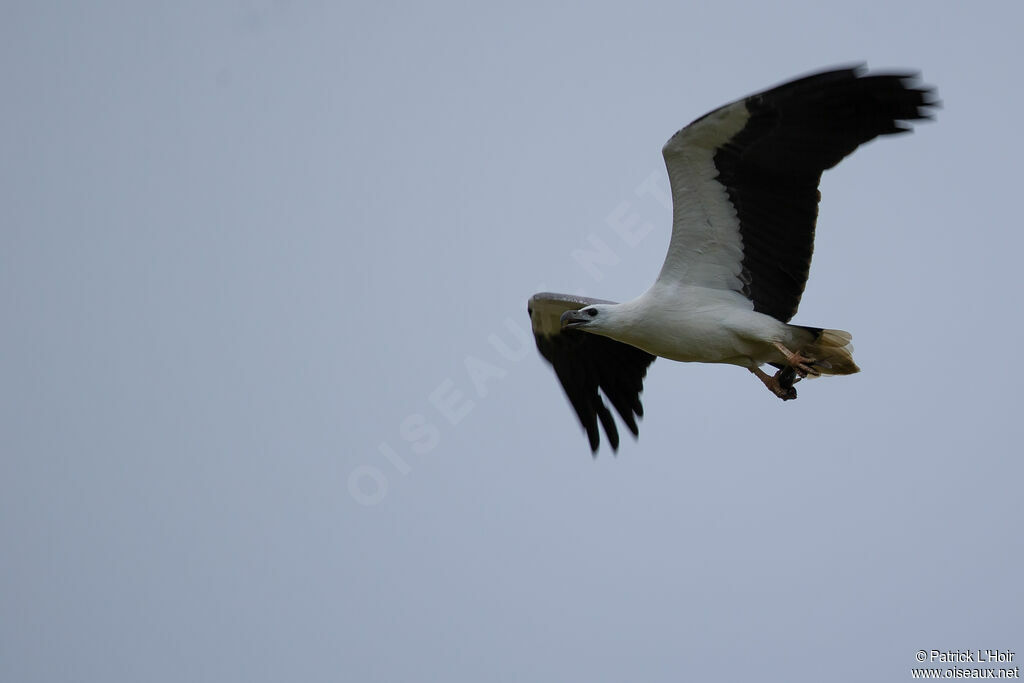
(832, 352)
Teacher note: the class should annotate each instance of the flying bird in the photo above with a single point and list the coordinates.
(744, 183)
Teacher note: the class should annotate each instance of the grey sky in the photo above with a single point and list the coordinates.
(255, 255)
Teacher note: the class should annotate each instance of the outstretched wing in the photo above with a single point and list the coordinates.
(744, 178)
(588, 364)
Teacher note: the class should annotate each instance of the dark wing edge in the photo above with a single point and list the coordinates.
(772, 167)
(588, 364)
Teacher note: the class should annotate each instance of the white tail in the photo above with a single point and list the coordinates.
(832, 351)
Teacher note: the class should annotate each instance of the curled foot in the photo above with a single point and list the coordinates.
(802, 364)
(781, 383)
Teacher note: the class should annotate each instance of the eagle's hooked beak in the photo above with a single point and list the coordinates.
(571, 319)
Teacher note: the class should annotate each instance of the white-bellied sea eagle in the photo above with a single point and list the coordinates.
(744, 182)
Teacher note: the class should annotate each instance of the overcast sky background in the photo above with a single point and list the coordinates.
(256, 257)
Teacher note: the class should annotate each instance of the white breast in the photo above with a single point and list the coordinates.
(698, 324)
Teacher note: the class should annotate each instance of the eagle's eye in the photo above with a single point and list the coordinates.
(591, 312)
